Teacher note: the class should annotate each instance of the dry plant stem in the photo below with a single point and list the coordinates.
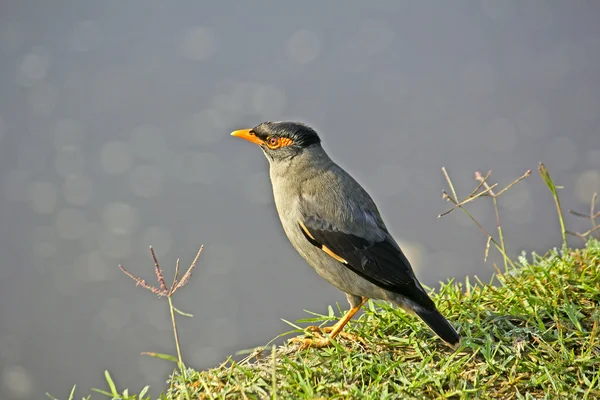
(592, 217)
(586, 233)
(458, 204)
(188, 274)
(498, 224)
(274, 373)
(467, 200)
(490, 238)
(472, 196)
(176, 276)
(168, 291)
(583, 236)
(182, 367)
(578, 214)
(176, 335)
(519, 179)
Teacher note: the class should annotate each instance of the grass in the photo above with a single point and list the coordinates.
(532, 332)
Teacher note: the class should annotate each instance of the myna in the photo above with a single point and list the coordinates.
(336, 227)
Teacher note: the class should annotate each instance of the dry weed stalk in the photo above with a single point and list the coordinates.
(162, 290)
(592, 216)
(482, 189)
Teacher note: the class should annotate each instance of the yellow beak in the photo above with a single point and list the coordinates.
(247, 135)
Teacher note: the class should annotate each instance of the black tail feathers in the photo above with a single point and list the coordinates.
(439, 325)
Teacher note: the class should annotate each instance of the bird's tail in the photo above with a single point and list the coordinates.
(439, 325)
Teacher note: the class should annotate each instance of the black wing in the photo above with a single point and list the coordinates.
(380, 262)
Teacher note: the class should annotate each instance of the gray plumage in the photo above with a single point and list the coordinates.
(324, 210)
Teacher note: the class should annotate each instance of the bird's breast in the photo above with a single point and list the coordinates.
(285, 196)
(287, 202)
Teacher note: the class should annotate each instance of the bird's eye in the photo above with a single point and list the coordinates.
(273, 141)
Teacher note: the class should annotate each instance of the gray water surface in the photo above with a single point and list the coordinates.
(114, 135)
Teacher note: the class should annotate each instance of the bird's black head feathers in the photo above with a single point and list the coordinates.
(301, 135)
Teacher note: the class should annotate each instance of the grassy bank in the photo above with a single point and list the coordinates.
(534, 334)
(531, 332)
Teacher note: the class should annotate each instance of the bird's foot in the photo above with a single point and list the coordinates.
(319, 341)
(316, 342)
(328, 329)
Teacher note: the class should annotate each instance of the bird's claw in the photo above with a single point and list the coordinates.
(315, 329)
(319, 341)
(305, 343)
(345, 335)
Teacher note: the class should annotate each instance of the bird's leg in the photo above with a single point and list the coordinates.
(333, 331)
(337, 328)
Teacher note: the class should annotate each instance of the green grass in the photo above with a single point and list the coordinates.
(535, 333)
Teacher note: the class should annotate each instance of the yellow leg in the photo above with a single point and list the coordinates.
(333, 331)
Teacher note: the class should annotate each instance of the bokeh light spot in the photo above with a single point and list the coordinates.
(45, 241)
(120, 218)
(586, 185)
(199, 43)
(147, 142)
(70, 223)
(69, 161)
(44, 98)
(96, 267)
(303, 46)
(269, 101)
(33, 66)
(116, 158)
(112, 318)
(67, 134)
(18, 381)
(114, 245)
(146, 181)
(43, 197)
(196, 167)
(78, 190)
(205, 126)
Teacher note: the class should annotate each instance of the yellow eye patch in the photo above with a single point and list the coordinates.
(274, 142)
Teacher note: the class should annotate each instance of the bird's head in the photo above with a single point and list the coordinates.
(280, 140)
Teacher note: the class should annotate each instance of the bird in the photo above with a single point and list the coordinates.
(334, 224)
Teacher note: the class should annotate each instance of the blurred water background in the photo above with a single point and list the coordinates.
(114, 135)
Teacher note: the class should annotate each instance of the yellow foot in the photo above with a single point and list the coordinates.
(319, 341)
(305, 343)
(345, 335)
